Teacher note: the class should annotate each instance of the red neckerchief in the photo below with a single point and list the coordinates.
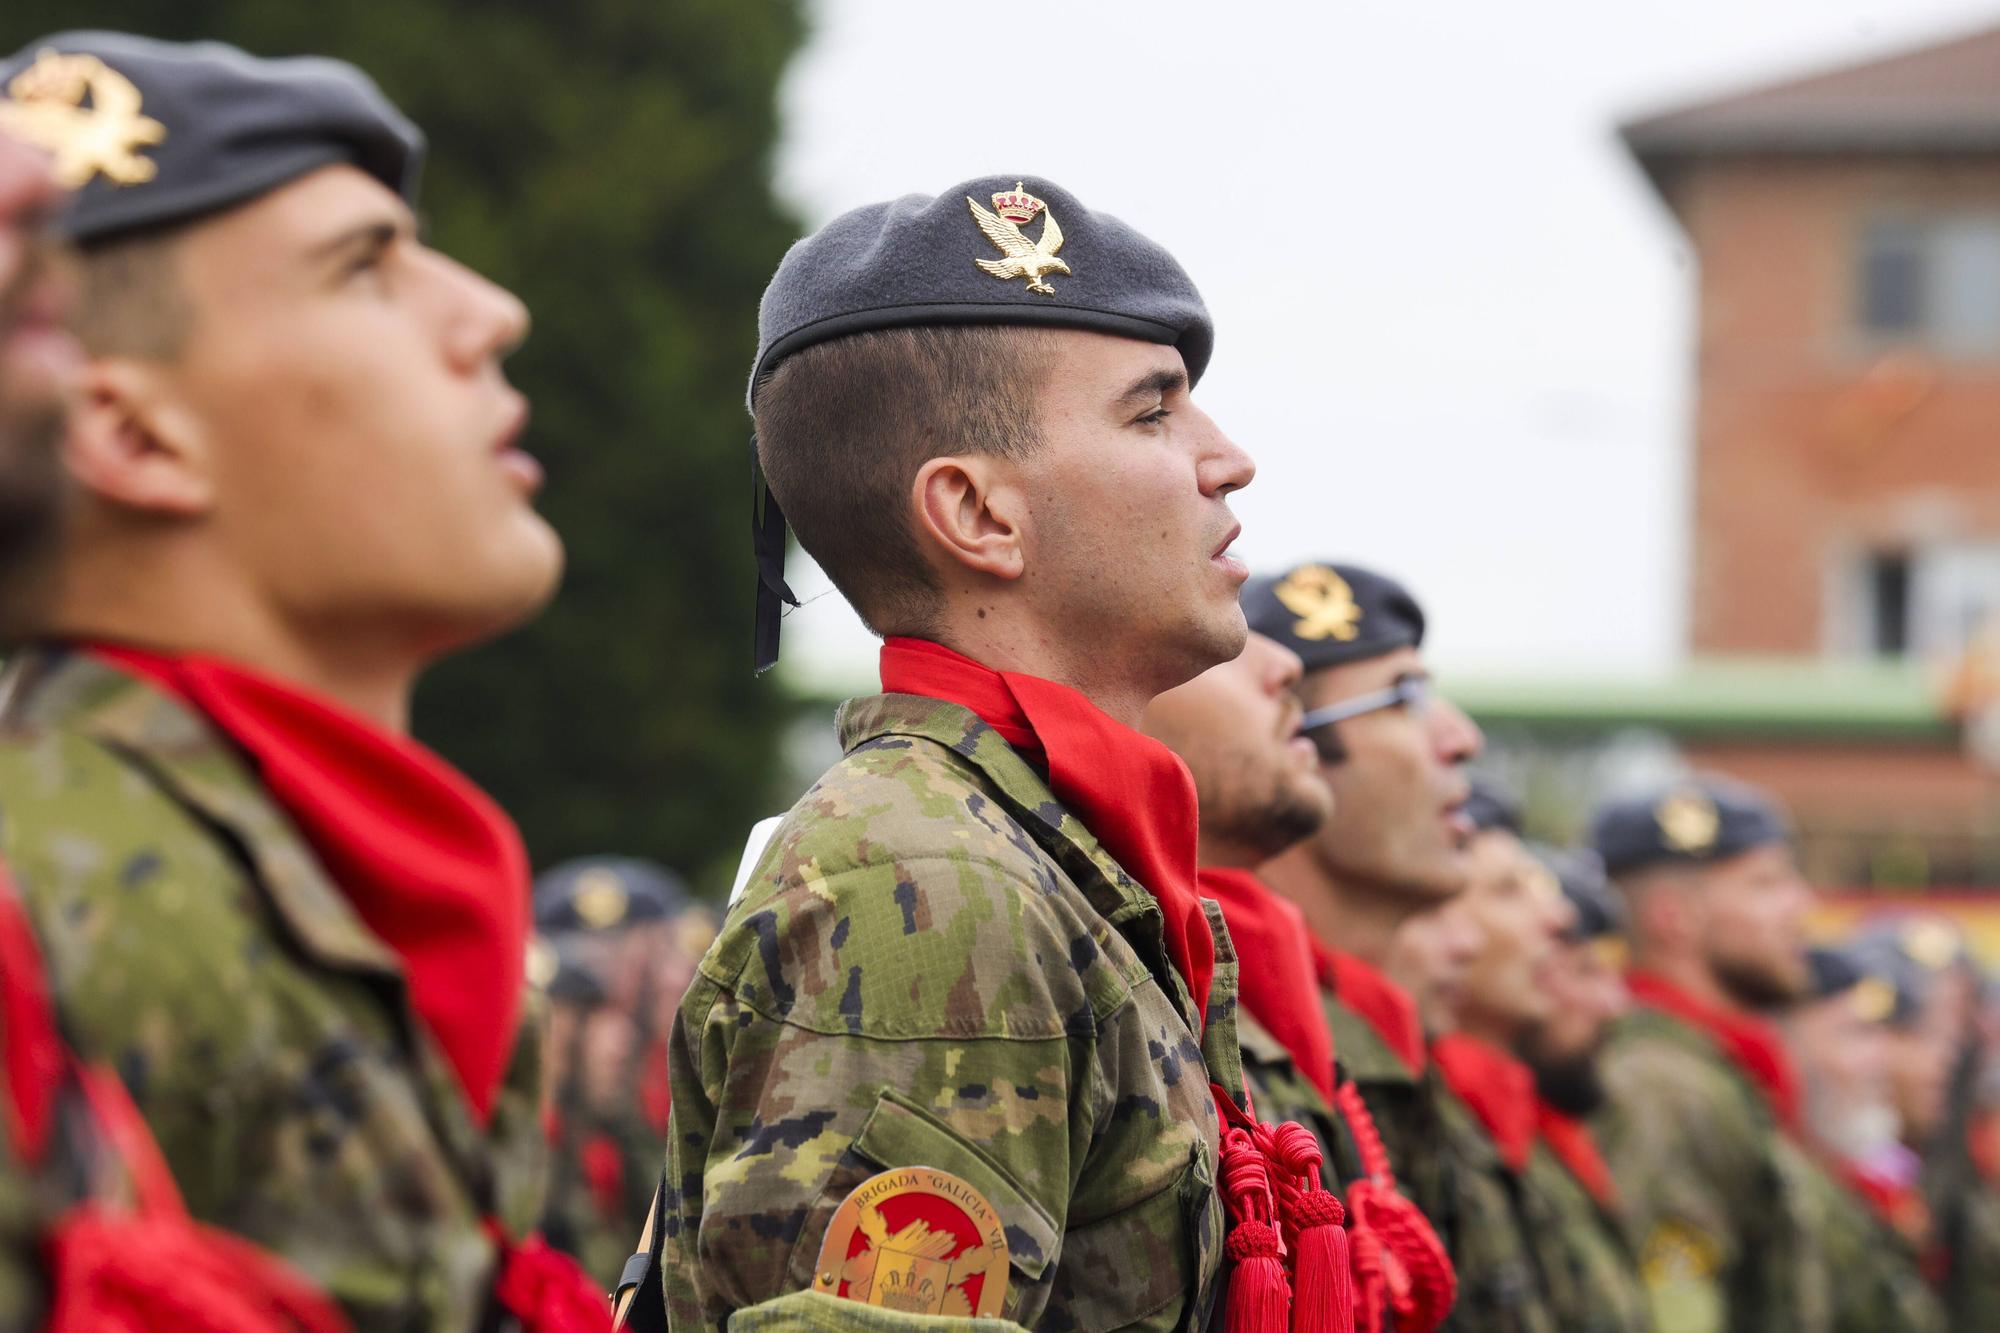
(1130, 791)
(1381, 1003)
(1274, 977)
(1750, 1044)
(1575, 1147)
(428, 861)
(1136, 798)
(34, 1054)
(1899, 1203)
(1499, 1090)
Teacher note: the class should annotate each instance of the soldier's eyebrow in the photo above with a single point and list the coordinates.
(373, 234)
(1154, 384)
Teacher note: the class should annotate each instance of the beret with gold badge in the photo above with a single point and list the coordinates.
(148, 133)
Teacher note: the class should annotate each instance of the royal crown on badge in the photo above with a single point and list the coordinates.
(1017, 205)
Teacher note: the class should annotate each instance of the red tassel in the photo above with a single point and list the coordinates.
(1260, 1297)
(1403, 1264)
(1322, 1286)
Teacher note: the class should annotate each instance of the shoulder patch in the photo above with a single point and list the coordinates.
(918, 1240)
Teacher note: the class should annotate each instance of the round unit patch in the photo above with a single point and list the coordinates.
(918, 1240)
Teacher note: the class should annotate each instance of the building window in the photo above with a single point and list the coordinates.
(1888, 596)
(1934, 281)
(1929, 603)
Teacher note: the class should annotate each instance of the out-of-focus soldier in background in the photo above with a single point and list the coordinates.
(1941, 1076)
(617, 940)
(1395, 846)
(1701, 1124)
(1862, 1188)
(1258, 784)
(1514, 913)
(298, 936)
(1586, 1256)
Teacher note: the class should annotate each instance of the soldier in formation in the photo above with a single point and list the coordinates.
(297, 936)
(1147, 961)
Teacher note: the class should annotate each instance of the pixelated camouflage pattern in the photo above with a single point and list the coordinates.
(1872, 1270)
(1501, 1288)
(1965, 1206)
(1585, 1257)
(935, 964)
(1710, 1185)
(1404, 1107)
(23, 1220)
(194, 944)
(1280, 1092)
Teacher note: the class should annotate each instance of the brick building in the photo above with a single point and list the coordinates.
(1846, 463)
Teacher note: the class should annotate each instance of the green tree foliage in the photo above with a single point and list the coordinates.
(609, 160)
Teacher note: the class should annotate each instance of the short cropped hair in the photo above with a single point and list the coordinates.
(131, 300)
(843, 427)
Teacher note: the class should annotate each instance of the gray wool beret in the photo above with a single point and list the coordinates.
(1332, 614)
(992, 250)
(148, 133)
(1703, 819)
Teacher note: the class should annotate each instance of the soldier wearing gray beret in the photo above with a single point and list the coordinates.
(992, 251)
(294, 482)
(150, 133)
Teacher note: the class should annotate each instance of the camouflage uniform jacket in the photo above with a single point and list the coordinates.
(1404, 1106)
(1494, 1225)
(1876, 1283)
(1281, 1092)
(934, 964)
(1964, 1203)
(1710, 1183)
(195, 944)
(1593, 1279)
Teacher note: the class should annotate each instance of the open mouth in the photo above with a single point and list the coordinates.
(1227, 560)
(520, 465)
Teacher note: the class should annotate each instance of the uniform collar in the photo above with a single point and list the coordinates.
(1121, 900)
(55, 686)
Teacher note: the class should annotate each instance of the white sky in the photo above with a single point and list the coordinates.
(1452, 320)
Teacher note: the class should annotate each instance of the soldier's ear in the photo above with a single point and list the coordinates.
(131, 443)
(968, 514)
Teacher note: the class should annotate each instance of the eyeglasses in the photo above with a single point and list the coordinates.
(1412, 692)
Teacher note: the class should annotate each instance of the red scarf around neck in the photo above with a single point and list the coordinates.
(34, 1054)
(1381, 1003)
(428, 861)
(1749, 1043)
(1499, 1089)
(1275, 980)
(1575, 1147)
(1286, 1239)
(1130, 791)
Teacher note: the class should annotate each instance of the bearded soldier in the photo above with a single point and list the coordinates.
(1586, 1258)
(1239, 727)
(1703, 1121)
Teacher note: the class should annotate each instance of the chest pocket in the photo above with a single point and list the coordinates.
(898, 1134)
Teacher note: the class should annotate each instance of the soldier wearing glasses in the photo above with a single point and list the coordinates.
(1395, 846)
